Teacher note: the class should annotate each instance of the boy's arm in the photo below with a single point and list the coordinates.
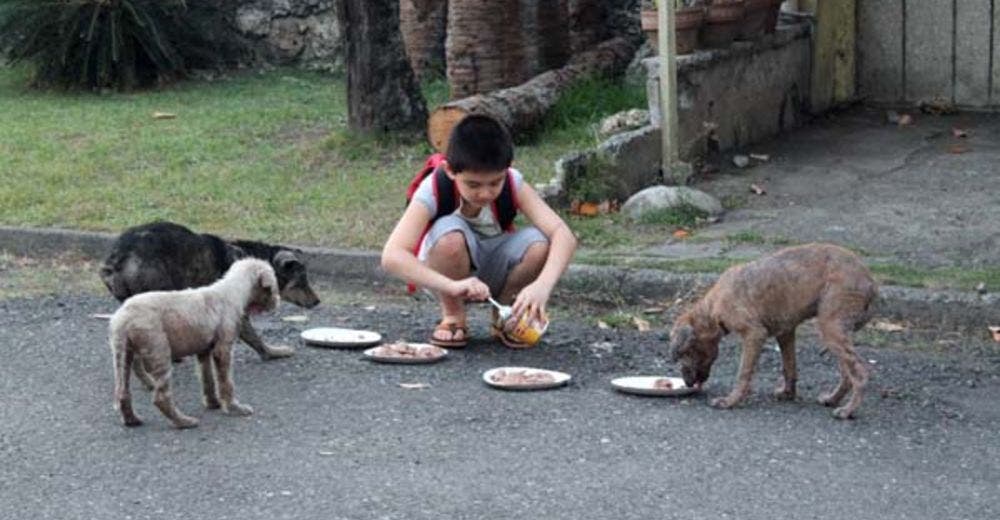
(562, 243)
(398, 258)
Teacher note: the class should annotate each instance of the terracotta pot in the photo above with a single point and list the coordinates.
(722, 22)
(772, 16)
(687, 24)
(754, 22)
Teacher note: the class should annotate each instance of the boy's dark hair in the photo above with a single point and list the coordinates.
(479, 143)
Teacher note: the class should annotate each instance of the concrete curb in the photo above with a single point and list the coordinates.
(923, 308)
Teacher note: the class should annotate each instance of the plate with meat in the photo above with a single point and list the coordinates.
(652, 385)
(406, 353)
(524, 378)
(335, 337)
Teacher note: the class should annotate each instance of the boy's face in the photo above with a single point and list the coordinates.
(478, 188)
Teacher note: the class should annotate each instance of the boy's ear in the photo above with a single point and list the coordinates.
(447, 170)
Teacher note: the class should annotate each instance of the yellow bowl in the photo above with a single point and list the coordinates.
(527, 331)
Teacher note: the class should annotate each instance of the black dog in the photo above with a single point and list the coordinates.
(163, 256)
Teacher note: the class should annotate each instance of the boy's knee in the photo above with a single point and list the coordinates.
(450, 245)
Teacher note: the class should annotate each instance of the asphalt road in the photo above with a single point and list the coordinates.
(335, 436)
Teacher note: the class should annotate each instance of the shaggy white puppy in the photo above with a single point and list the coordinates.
(151, 329)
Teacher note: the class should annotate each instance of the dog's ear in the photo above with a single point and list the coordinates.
(681, 341)
(287, 262)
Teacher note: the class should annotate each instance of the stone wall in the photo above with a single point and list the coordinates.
(738, 96)
(290, 32)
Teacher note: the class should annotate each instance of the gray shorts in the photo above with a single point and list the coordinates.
(492, 257)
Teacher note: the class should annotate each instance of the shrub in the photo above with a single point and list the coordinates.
(121, 44)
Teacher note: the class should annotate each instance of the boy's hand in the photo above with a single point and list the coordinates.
(471, 288)
(532, 300)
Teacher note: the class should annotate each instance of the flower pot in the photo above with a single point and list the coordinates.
(722, 22)
(756, 18)
(687, 25)
(772, 16)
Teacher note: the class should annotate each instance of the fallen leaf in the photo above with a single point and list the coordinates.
(995, 330)
(588, 209)
(905, 120)
(369, 308)
(959, 133)
(641, 324)
(958, 148)
(682, 234)
(757, 189)
(164, 115)
(762, 157)
(888, 326)
(741, 161)
(296, 318)
(653, 310)
(601, 324)
(414, 386)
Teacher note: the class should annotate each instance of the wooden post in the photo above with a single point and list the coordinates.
(668, 94)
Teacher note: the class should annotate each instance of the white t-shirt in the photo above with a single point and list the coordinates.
(484, 224)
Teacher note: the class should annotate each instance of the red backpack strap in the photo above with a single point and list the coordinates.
(430, 165)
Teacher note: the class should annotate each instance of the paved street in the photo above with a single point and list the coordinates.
(335, 436)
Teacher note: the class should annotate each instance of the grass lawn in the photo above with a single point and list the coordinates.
(258, 155)
(268, 156)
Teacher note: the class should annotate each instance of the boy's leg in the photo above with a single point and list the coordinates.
(452, 247)
(525, 272)
(450, 257)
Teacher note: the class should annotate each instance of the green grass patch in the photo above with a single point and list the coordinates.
(26, 277)
(684, 215)
(257, 155)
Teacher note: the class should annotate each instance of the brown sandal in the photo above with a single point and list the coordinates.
(453, 328)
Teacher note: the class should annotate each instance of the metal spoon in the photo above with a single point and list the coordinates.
(506, 311)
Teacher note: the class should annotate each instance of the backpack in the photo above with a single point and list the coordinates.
(447, 198)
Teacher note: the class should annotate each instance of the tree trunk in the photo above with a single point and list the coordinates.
(586, 23)
(520, 108)
(382, 92)
(482, 46)
(553, 25)
(423, 24)
(545, 35)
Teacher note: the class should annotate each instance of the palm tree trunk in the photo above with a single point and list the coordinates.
(483, 46)
(423, 24)
(382, 92)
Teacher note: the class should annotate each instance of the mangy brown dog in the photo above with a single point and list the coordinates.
(771, 297)
(152, 328)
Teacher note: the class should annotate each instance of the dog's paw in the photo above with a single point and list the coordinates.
(238, 409)
(278, 352)
(132, 422)
(183, 422)
(830, 399)
(783, 394)
(843, 413)
(722, 403)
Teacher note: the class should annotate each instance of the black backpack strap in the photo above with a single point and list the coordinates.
(507, 204)
(445, 194)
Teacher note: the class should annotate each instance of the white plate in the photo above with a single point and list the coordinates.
(370, 354)
(561, 378)
(340, 338)
(643, 385)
